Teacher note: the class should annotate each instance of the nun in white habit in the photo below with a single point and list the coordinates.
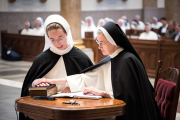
(39, 29)
(27, 30)
(90, 26)
(82, 29)
(121, 75)
(121, 24)
(101, 22)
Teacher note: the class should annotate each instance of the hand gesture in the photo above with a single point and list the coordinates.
(93, 90)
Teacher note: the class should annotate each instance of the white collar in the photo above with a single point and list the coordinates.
(61, 52)
(114, 54)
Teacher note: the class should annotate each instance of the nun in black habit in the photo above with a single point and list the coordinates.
(59, 58)
(121, 75)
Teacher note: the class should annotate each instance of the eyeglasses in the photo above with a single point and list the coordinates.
(101, 43)
(58, 40)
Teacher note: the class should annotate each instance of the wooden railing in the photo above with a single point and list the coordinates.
(150, 51)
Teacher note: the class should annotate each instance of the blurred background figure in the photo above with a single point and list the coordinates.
(126, 22)
(121, 24)
(38, 30)
(90, 26)
(156, 24)
(140, 25)
(101, 22)
(171, 29)
(27, 30)
(176, 36)
(111, 20)
(82, 29)
(106, 20)
(163, 28)
(148, 34)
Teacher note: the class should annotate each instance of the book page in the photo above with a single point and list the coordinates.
(77, 95)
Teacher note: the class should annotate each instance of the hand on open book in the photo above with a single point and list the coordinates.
(93, 90)
(42, 82)
(66, 90)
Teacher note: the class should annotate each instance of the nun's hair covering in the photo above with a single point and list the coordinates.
(54, 26)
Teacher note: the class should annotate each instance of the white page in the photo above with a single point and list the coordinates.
(77, 95)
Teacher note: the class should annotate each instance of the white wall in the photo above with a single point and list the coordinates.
(93, 5)
(160, 3)
(54, 5)
(86, 5)
(29, 6)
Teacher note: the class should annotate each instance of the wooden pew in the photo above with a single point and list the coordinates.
(27, 46)
(150, 51)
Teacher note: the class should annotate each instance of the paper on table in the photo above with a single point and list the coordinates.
(77, 95)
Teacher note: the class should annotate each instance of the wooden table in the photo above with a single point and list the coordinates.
(55, 110)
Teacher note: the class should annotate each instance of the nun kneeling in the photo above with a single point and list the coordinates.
(121, 75)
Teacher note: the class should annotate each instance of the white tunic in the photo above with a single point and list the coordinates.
(100, 78)
(177, 36)
(38, 32)
(149, 36)
(59, 70)
(157, 25)
(26, 32)
(164, 29)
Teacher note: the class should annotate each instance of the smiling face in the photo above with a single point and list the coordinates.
(58, 38)
(107, 48)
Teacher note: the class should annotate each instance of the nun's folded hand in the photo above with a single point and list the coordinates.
(42, 82)
(66, 90)
(93, 91)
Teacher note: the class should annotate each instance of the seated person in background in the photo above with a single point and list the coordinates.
(140, 25)
(106, 20)
(126, 22)
(38, 31)
(59, 59)
(171, 29)
(156, 24)
(163, 28)
(90, 26)
(148, 34)
(121, 75)
(27, 30)
(101, 22)
(176, 36)
(121, 24)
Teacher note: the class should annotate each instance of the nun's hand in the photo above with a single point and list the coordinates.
(42, 82)
(93, 91)
(66, 90)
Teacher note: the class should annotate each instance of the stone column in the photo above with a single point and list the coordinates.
(172, 11)
(71, 11)
(149, 9)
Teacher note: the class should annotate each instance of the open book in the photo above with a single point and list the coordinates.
(77, 95)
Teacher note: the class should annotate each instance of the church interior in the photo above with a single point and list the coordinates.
(152, 27)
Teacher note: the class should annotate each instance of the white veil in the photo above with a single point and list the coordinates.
(57, 19)
(100, 20)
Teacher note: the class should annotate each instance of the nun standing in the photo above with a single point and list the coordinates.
(121, 24)
(90, 26)
(121, 75)
(59, 59)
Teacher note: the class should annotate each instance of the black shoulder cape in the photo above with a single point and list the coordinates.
(75, 61)
(131, 84)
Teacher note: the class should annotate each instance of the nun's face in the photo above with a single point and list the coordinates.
(37, 24)
(89, 22)
(101, 23)
(120, 23)
(58, 38)
(105, 46)
(147, 28)
(26, 25)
